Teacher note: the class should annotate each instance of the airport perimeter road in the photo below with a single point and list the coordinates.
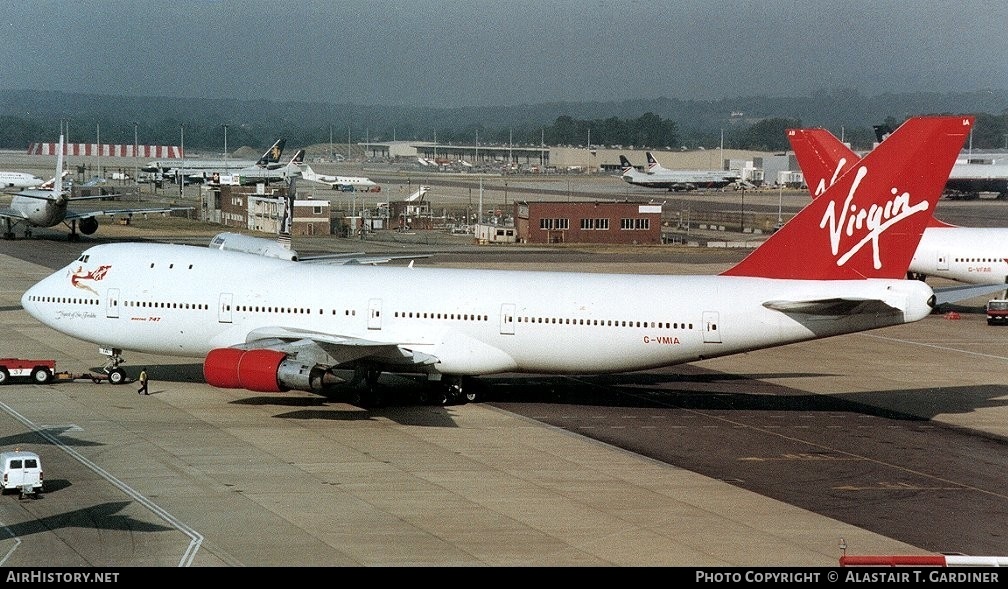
(893, 440)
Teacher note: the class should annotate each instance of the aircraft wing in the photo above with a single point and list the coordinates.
(332, 349)
(36, 193)
(358, 258)
(74, 215)
(7, 213)
(833, 307)
(98, 196)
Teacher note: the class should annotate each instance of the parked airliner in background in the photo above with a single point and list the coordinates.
(19, 180)
(677, 180)
(974, 255)
(264, 175)
(971, 174)
(48, 208)
(200, 170)
(344, 183)
(268, 324)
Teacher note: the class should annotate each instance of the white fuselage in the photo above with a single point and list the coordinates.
(336, 181)
(673, 179)
(19, 180)
(42, 211)
(975, 255)
(187, 300)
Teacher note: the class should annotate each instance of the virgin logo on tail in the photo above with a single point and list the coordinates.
(875, 219)
(822, 186)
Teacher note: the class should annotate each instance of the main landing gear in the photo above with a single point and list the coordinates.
(453, 390)
(365, 390)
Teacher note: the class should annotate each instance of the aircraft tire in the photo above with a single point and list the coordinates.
(117, 376)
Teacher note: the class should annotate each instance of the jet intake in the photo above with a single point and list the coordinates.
(87, 225)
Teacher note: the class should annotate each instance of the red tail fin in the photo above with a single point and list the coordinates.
(823, 159)
(869, 222)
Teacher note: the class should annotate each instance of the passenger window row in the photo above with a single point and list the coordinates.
(606, 322)
(448, 316)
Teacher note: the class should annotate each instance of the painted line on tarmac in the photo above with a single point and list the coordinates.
(196, 539)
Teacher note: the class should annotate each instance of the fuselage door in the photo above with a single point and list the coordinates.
(507, 319)
(711, 335)
(112, 303)
(374, 314)
(943, 260)
(224, 308)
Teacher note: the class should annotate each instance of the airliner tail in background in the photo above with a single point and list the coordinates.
(971, 255)
(909, 171)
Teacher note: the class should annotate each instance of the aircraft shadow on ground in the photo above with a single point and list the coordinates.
(29, 439)
(716, 391)
(686, 387)
(104, 516)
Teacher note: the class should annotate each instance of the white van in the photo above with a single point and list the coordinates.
(22, 470)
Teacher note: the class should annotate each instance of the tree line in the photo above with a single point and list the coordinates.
(756, 123)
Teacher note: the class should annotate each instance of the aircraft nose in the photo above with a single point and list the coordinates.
(31, 298)
(26, 300)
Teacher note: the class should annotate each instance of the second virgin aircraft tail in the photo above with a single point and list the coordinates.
(868, 221)
(823, 158)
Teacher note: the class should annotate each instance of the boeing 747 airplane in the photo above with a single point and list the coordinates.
(270, 325)
(972, 255)
(198, 170)
(265, 175)
(48, 208)
(676, 180)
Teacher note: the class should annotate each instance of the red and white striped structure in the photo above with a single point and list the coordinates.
(925, 560)
(108, 150)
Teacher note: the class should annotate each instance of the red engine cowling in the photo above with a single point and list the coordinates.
(254, 370)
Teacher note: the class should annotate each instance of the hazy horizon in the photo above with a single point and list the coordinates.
(450, 54)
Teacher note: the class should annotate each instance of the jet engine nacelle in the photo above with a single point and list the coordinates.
(268, 371)
(237, 242)
(87, 225)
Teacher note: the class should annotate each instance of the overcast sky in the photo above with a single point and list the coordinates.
(502, 52)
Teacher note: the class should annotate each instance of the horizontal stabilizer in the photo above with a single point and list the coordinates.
(833, 307)
(954, 294)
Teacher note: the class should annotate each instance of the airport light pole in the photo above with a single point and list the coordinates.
(136, 156)
(742, 215)
(181, 177)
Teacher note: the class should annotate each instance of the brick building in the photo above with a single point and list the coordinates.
(588, 222)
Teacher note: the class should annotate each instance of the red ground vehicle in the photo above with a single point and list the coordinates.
(40, 371)
(997, 312)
